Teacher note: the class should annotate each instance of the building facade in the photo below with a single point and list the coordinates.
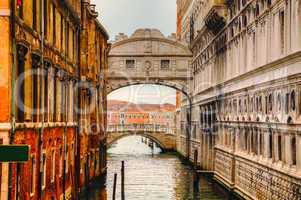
(125, 114)
(246, 94)
(52, 93)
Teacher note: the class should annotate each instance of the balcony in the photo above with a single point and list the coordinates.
(215, 18)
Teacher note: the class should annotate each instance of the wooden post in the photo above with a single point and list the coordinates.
(122, 181)
(195, 175)
(114, 186)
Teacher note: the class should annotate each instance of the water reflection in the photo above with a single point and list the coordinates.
(134, 146)
(150, 175)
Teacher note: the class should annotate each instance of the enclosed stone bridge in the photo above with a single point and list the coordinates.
(148, 57)
(163, 136)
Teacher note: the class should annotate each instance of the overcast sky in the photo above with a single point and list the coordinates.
(128, 15)
(125, 16)
(151, 94)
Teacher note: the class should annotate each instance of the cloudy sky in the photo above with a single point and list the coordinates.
(125, 16)
(152, 94)
(128, 15)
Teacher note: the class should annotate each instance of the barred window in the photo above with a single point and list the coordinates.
(130, 64)
(165, 64)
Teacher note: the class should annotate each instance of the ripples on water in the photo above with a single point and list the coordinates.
(153, 176)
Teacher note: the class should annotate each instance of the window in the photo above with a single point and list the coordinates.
(293, 101)
(34, 14)
(45, 18)
(279, 102)
(74, 45)
(294, 150)
(257, 10)
(61, 161)
(246, 140)
(43, 176)
(130, 64)
(254, 140)
(287, 96)
(54, 23)
(282, 31)
(55, 82)
(67, 159)
(62, 100)
(261, 142)
(53, 166)
(67, 40)
(62, 33)
(270, 144)
(165, 64)
(46, 94)
(279, 147)
(35, 61)
(22, 51)
(271, 100)
(33, 174)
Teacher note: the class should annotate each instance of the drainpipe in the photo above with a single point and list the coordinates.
(77, 139)
(66, 121)
(12, 120)
(40, 129)
(65, 136)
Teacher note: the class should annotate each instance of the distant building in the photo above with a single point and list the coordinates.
(121, 113)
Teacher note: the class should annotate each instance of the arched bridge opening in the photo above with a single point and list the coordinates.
(167, 142)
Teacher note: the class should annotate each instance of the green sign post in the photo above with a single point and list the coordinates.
(14, 153)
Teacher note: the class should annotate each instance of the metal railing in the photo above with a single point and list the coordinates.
(140, 127)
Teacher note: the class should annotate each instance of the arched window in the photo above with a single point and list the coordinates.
(287, 102)
(293, 100)
(279, 102)
(244, 20)
(257, 10)
(260, 104)
(209, 117)
(270, 102)
(21, 55)
(251, 104)
(266, 105)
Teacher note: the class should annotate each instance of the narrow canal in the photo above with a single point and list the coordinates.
(151, 175)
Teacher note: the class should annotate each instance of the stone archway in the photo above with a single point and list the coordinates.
(167, 142)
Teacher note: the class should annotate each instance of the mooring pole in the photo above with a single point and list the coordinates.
(122, 181)
(195, 175)
(114, 186)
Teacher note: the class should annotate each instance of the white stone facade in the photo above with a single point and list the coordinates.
(149, 57)
(246, 92)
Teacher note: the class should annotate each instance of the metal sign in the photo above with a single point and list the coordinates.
(14, 153)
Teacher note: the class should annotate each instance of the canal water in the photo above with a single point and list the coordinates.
(151, 175)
